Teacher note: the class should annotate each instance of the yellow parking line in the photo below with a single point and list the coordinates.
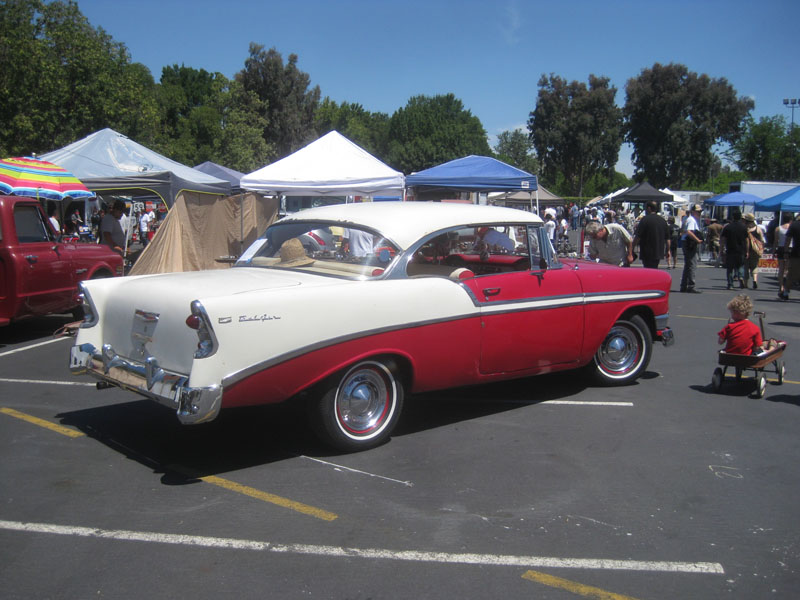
(574, 587)
(42, 423)
(698, 317)
(272, 498)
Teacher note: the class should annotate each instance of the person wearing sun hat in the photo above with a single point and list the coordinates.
(755, 240)
(293, 254)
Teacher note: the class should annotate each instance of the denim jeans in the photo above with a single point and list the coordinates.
(690, 254)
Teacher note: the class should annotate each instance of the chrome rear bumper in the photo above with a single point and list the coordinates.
(192, 405)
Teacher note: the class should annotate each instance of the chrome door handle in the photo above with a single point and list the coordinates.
(491, 292)
(31, 258)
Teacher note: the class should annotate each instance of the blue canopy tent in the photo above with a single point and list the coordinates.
(739, 199)
(473, 174)
(788, 201)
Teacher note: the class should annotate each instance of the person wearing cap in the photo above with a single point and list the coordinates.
(755, 242)
(111, 232)
(691, 249)
(734, 239)
(714, 230)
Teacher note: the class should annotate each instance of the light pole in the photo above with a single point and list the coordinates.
(791, 103)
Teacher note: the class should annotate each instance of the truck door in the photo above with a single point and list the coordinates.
(46, 282)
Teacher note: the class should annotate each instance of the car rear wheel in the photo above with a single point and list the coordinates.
(359, 408)
(625, 352)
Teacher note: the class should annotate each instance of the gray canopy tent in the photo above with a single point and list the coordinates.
(108, 162)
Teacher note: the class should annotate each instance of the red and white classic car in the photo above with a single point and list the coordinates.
(349, 307)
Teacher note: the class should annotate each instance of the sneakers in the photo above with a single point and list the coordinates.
(693, 291)
(783, 296)
(755, 285)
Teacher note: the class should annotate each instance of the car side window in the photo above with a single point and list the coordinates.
(481, 249)
(29, 224)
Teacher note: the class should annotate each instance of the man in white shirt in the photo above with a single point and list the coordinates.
(144, 226)
(690, 242)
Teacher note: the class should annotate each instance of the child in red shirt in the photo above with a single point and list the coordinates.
(742, 335)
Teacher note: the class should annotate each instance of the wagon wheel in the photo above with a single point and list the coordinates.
(781, 372)
(761, 385)
(358, 408)
(716, 379)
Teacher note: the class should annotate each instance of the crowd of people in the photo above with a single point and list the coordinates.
(737, 243)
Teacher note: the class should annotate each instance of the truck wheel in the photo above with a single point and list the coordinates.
(625, 353)
(359, 408)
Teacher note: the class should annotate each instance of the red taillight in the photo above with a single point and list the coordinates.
(193, 322)
(316, 238)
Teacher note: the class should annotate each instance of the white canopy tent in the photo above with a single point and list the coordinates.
(329, 166)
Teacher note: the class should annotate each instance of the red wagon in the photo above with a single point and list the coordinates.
(768, 360)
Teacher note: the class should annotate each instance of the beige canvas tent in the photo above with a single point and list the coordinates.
(206, 232)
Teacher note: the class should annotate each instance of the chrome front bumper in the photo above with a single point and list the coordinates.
(663, 333)
(192, 405)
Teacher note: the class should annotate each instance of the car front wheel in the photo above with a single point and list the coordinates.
(625, 352)
(359, 408)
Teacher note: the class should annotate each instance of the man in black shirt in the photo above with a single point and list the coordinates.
(652, 236)
(792, 253)
(734, 239)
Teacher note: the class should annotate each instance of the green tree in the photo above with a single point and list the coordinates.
(368, 130)
(576, 130)
(516, 149)
(288, 102)
(241, 145)
(191, 119)
(673, 119)
(768, 150)
(432, 130)
(61, 79)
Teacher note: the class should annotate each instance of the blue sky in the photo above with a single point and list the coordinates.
(489, 54)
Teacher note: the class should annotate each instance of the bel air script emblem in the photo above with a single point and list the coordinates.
(265, 317)
(144, 326)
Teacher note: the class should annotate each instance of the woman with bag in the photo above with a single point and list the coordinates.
(755, 241)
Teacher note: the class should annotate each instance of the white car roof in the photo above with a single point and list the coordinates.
(406, 222)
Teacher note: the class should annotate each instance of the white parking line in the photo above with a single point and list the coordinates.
(343, 468)
(587, 403)
(497, 560)
(7, 352)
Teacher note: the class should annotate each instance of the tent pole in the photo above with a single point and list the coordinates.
(241, 223)
(537, 199)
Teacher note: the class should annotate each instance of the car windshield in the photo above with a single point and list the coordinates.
(323, 248)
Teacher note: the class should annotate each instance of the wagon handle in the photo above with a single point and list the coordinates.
(761, 316)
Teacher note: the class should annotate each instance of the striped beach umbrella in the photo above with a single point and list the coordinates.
(25, 176)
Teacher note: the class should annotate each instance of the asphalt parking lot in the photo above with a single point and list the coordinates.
(540, 488)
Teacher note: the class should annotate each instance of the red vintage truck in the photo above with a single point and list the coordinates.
(39, 272)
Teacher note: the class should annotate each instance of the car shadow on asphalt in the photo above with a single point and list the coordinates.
(33, 329)
(240, 438)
